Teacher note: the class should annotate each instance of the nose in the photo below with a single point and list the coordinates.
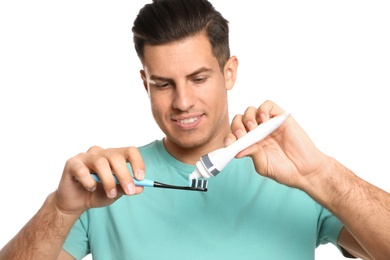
(184, 98)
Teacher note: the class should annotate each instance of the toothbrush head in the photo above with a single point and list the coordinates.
(198, 184)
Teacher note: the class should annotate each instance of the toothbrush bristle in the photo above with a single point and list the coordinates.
(199, 184)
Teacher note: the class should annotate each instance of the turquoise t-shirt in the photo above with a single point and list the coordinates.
(242, 216)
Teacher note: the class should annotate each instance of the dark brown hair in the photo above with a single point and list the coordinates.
(165, 21)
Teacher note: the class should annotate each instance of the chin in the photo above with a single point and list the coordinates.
(188, 143)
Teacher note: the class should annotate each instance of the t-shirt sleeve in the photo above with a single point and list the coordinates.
(329, 228)
(76, 243)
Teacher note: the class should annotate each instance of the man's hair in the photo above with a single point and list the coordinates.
(165, 21)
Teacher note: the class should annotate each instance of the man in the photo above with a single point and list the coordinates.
(272, 202)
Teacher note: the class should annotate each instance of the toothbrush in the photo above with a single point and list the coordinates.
(195, 185)
(212, 163)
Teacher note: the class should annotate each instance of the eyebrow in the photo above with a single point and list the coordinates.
(196, 72)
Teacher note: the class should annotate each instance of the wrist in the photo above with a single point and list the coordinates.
(65, 215)
(327, 184)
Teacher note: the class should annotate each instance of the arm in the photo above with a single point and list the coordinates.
(42, 237)
(289, 156)
(363, 208)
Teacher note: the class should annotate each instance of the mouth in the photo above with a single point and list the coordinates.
(188, 122)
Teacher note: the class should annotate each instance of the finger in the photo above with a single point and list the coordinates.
(241, 124)
(268, 110)
(133, 156)
(101, 166)
(118, 159)
(77, 170)
(94, 150)
(229, 139)
(81, 166)
(118, 164)
(237, 126)
(249, 118)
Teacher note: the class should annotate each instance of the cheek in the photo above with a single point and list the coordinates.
(157, 100)
(158, 105)
(154, 105)
(216, 97)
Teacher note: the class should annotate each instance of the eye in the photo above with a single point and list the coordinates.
(160, 85)
(199, 80)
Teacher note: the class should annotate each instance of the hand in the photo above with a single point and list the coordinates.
(78, 191)
(287, 155)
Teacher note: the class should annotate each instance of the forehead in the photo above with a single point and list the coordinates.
(184, 56)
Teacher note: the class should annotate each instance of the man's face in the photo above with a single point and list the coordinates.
(188, 92)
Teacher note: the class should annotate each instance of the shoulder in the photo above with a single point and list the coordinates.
(150, 146)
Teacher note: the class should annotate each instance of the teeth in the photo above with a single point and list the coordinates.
(188, 120)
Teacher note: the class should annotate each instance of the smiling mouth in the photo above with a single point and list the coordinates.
(188, 120)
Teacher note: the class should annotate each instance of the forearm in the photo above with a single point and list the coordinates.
(363, 208)
(42, 237)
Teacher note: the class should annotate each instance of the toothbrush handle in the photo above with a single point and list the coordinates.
(257, 134)
(145, 182)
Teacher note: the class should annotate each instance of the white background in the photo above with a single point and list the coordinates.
(69, 79)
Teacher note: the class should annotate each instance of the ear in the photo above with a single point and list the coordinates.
(230, 72)
(144, 81)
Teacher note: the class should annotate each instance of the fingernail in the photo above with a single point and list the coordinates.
(239, 133)
(92, 189)
(112, 193)
(140, 174)
(130, 188)
(250, 124)
(228, 141)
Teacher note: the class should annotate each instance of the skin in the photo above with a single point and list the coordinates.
(189, 97)
(188, 94)
(289, 156)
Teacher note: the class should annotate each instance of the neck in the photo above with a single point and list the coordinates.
(190, 154)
